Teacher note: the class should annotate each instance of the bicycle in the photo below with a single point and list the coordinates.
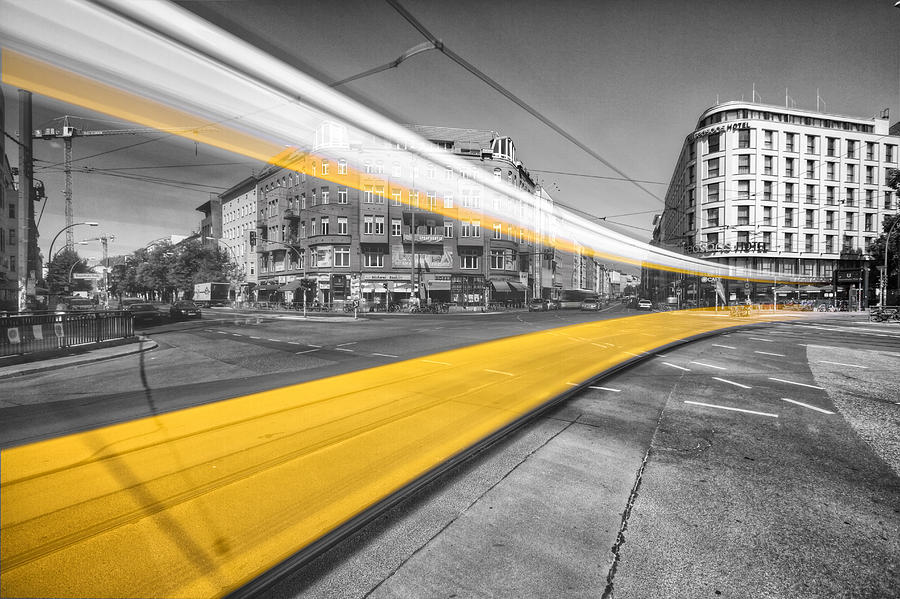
(882, 315)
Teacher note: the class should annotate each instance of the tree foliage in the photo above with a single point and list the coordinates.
(58, 271)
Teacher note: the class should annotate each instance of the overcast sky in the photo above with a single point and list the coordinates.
(627, 78)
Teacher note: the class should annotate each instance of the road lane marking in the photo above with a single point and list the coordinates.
(796, 383)
(678, 367)
(631, 354)
(342, 349)
(842, 364)
(605, 389)
(275, 340)
(294, 342)
(742, 386)
(710, 405)
(761, 339)
(499, 372)
(806, 405)
(306, 351)
(348, 343)
(768, 353)
(708, 365)
(437, 362)
(725, 346)
(237, 335)
(663, 355)
(311, 345)
(252, 337)
(385, 355)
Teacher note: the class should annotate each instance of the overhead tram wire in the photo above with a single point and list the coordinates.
(539, 170)
(439, 45)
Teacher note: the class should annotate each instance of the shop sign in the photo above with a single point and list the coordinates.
(339, 283)
(719, 129)
(705, 247)
(424, 238)
(848, 276)
(375, 276)
(401, 259)
(323, 256)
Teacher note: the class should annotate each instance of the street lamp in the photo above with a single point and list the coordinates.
(89, 223)
(884, 274)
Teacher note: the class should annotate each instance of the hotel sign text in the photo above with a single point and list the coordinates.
(745, 246)
(719, 129)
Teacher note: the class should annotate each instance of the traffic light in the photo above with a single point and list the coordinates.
(252, 238)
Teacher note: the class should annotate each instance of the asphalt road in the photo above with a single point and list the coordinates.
(761, 463)
(228, 355)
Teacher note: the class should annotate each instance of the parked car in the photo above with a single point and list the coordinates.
(184, 309)
(644, 304)
(127, 301)
(538, 305)
(591, 303)
(144, 312)
(75, 304)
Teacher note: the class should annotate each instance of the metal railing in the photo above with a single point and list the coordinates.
(29, 333)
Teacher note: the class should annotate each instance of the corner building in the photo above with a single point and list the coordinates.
(358, 233)
(786, 191)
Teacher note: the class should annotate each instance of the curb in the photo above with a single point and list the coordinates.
(143, 344)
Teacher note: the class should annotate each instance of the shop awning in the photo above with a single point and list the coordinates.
(516, 286)
(373, 288)
(273, 286)
(290, 286)
(402, 288)
(501, 286)
(438, 285)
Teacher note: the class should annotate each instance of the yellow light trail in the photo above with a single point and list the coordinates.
(198, 502)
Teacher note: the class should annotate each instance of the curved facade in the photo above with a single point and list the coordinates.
(789, 191)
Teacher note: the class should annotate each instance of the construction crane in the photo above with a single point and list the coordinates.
(67, 131)
(104, 240)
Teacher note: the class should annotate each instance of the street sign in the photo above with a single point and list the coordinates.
(93, 276)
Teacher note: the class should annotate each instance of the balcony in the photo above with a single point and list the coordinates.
(290, 214)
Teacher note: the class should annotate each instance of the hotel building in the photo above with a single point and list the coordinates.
(783, 191)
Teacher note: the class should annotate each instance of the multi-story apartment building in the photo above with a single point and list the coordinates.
(239, 217)
(358, 231)
(781, 190)
(9, 243)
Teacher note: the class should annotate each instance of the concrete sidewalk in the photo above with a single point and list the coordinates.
(76, 357)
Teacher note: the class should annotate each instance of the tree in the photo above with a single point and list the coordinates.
(58, 270)
(877, 251)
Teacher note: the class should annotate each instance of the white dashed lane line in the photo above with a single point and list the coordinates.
(275, 340)
(252, 337)
(343, 349)
(499, 372)
(768, 353)
(678, 367)
(742, 386)
(437, 362)
(708, 365)
(662, 355)
(796, 383)
(385, 355)
(605, 389)
(841, 364)
(348, 343)
(761, 339)
(710, 405)
(306, 351)
(294, 342)
(806, 405)
(725, 346)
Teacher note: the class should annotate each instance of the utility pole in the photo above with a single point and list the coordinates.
(26, 209)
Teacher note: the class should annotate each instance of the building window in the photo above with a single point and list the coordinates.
(368, 194)
(448, 201)
(373, 260)
(743, 138)
(414, 199)
(396, 169)
(743, 190)
(848, 243)
(789, 242)
(342, 167)
(497, 231)
(811, 144)
(302, 229)
(379, 167)
(829, 244)
(767, 239)
(810, 194)
(767, 216)
(325, 194)
(476, 228)
(312, 229)
(692, 199)
(870, 175)
(497, 259)
(712, 167)
(342, 255)
(889, 152)
(811, 169)
(768, 139)
(789, 192)
(767, 190)
(368, 167)
(368, 224)
(743, 238)
(851, 148)
(396, 227)
(850, 219)
(744, 164)
(810, 219)
(743, 215)
(767, 165)
(690, 221)
(432, 200)
(871, 153)
(379, 225)
(468, 260)
(789, 139)
(324, 225)
(888, 200)
(342, 225)
(788, 217)
(712, 192)
(829, 219)
(396, 196)
(712, 217)
(713, 143)
(712, 238)
(465, 228)
(788, 167)
(851, 197)
(831, 171)
(870, 222)
(831, 146)
(448, 229)
(829, 195)
(851, 173)
(342, 196)
(870, 198)
(324, 167)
